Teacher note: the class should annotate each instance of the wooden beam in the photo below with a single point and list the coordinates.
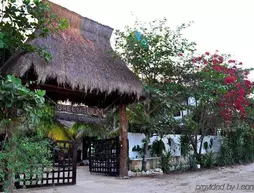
(80, 118)
(123, 142)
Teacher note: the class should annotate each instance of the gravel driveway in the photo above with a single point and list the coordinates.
(230, 179)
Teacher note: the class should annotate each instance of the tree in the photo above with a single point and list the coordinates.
(23, 109)
(22, 20)
(221, 90)
(152, 51)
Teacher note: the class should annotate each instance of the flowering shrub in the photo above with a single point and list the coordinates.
(227, 82)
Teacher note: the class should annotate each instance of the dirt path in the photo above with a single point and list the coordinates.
(235, 179)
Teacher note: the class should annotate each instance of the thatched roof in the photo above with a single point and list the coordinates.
(83, 61)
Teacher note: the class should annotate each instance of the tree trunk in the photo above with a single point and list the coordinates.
(146, 131)
(201, 144)
(199, 153)
(10, 188)
(145, 151)
(123, 142)
(9, 171)
(194, 143)
(195, 147)
(9, 135)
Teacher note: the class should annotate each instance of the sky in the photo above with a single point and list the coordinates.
(224, 25)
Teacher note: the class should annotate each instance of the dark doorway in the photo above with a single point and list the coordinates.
(85, 146)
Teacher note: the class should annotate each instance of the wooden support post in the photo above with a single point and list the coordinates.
(123, 142)
(74, 164)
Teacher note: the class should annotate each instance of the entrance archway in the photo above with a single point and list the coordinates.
(82, 71)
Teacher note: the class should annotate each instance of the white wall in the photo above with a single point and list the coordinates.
(175, 148)
(136, 139)
(216, 143)
(191, 102)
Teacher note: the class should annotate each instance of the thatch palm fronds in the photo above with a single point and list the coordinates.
(82, 61)
(79, 130)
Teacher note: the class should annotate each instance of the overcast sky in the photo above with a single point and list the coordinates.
(224, 25)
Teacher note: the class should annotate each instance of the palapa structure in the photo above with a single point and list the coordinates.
(83, 62)
(83, 69)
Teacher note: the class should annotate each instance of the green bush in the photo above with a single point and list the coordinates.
(192, 162)
(179, 167)
(185, 145)
(165, 162)
(158, 147)
(208, 160)
(237, 146)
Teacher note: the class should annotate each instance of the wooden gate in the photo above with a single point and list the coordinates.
(63, 171)
(104, 156)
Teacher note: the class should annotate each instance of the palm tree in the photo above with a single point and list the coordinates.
(77, 131)
(57, 131)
